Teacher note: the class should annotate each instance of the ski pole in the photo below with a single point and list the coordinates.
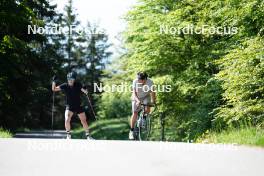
(52, 112)
(91, 106)
(54, 78)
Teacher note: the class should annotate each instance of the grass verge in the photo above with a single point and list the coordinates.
(108, 129)
(5, 133)
(244, 136)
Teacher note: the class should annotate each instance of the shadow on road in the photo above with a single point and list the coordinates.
(56, 134)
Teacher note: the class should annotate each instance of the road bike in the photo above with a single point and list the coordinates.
(143, 124)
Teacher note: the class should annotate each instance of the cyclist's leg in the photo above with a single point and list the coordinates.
(68, 116)
(133, 120)
(134, 115)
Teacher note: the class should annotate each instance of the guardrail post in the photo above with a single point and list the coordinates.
(162, 123)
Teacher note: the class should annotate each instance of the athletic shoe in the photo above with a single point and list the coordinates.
(89, 137)
(68, 136)
(131, 135)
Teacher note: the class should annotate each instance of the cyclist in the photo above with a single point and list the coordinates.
(143, 92)
(72, 90)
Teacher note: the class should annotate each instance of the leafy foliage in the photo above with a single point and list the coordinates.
(242, 74)
(216, 79)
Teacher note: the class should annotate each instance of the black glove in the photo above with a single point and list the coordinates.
(54, 78)
(85, 87)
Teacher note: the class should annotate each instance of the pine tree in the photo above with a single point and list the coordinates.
(92, 56)
(25, 57)
(72, 39)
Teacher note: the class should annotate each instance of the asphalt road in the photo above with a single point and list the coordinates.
(61, 157)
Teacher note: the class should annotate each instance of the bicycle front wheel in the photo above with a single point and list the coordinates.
(144, 131)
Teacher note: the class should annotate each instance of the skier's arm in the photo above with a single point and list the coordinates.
(84, 90)
(54, 87)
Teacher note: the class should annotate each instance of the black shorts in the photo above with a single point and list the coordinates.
(77, 110)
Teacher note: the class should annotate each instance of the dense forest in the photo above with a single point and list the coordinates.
(29, 61)
(217, 78)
